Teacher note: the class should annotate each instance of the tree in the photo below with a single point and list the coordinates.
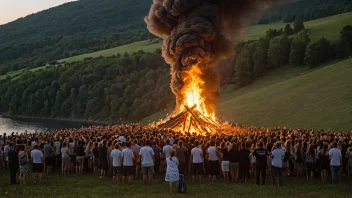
(318, 52)
(298, 48)
(288, 30)
(244, 68)
(278, 53)
(298, 25)
(259, 67)
(346, 34)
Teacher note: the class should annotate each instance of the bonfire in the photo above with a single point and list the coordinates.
(192, 116)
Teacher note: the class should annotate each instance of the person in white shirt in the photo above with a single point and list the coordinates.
(167, 148)
(335, 162)
(277, 156)
(213, 162)
(122, 139)
(37, 160)
(116, 156)
(147, 158)
(197, 162)
(127, 158)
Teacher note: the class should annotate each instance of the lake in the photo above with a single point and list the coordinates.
(9, 125)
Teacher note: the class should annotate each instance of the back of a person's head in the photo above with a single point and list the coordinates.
(261, 144)
(36, 146)
(196, 143)
(128, 144)
(335, 144)
(10, 144)
(117, 146)
(48, 141)
(278, 144)
(180, 143)
(147, 143)
(167, 141)
(64, 144)
(212, 143)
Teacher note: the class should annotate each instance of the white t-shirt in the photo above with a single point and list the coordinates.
(278, 156)
(72, 147)
(197, 155)
(128, 157)
(37, 156)
(116, 155)
(147, 154)
(64, 152)
(167, 150)
(335, 155)
(212, 153)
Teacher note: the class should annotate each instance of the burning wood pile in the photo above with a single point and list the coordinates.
(191, 120)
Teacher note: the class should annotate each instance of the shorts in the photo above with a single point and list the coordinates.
(197, 168)
(182, 168)
(117, 171)
(66, 161)
(147, 170)
(225, 166)
(103, 165)
(37, 167)
(49, 161)
(213, 167)
(96, 162)
(234, 165)
(128, 171)
(79, 160)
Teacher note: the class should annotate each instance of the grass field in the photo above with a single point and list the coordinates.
(146, 46)
(89, 186)
(298, 97)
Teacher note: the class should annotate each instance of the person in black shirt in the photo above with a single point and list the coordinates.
(225, 164)
(234, 161)
(103, 155)
(261, 155)
(96, 160)
(79, 158)
(13, 163)
(244, 163)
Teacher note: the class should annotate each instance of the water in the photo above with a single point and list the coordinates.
(9, 125)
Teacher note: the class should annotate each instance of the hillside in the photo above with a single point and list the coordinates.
(71, 29)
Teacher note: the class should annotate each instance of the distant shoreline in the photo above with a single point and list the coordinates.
(44, 119)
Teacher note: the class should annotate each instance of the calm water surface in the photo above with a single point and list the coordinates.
(9, 125)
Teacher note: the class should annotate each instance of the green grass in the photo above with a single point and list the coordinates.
(89, 186)
(146, 46)
(298, 97)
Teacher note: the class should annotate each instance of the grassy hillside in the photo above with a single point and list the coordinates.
(328, 27)
(320, 98)
(292, 97)
(146, 46)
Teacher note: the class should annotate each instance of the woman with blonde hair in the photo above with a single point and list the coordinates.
(172, 173)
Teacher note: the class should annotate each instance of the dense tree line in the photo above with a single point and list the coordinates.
(120, 88)
(71, 29)
(306, 10)
(277, 49)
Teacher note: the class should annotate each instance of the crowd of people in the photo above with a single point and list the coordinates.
(126, 152)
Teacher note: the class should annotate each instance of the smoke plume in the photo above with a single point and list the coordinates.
(199, 33)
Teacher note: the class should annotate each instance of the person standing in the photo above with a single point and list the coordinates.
(127, 158)
(57, 147)
(116, 156)
(225, 163)
(13, 163)
(197, 162)
(213, 162)
(261, 155)
(103, 155)
(157, 152)
(37, 164)
(277, 156)
(65, 159)
(172, 172)
(244, 162)
(79, 158)
(23, 162)
(335, 162)
(48, 154)
(147, 158)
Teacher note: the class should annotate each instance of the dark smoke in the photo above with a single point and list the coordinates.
(199, 33)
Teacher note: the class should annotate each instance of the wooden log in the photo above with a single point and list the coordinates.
(190, 124)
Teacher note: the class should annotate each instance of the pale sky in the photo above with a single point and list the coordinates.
(11, 10)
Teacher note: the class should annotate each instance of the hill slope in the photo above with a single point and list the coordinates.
(318, 99)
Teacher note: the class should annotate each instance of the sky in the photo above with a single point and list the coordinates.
(11, 10)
